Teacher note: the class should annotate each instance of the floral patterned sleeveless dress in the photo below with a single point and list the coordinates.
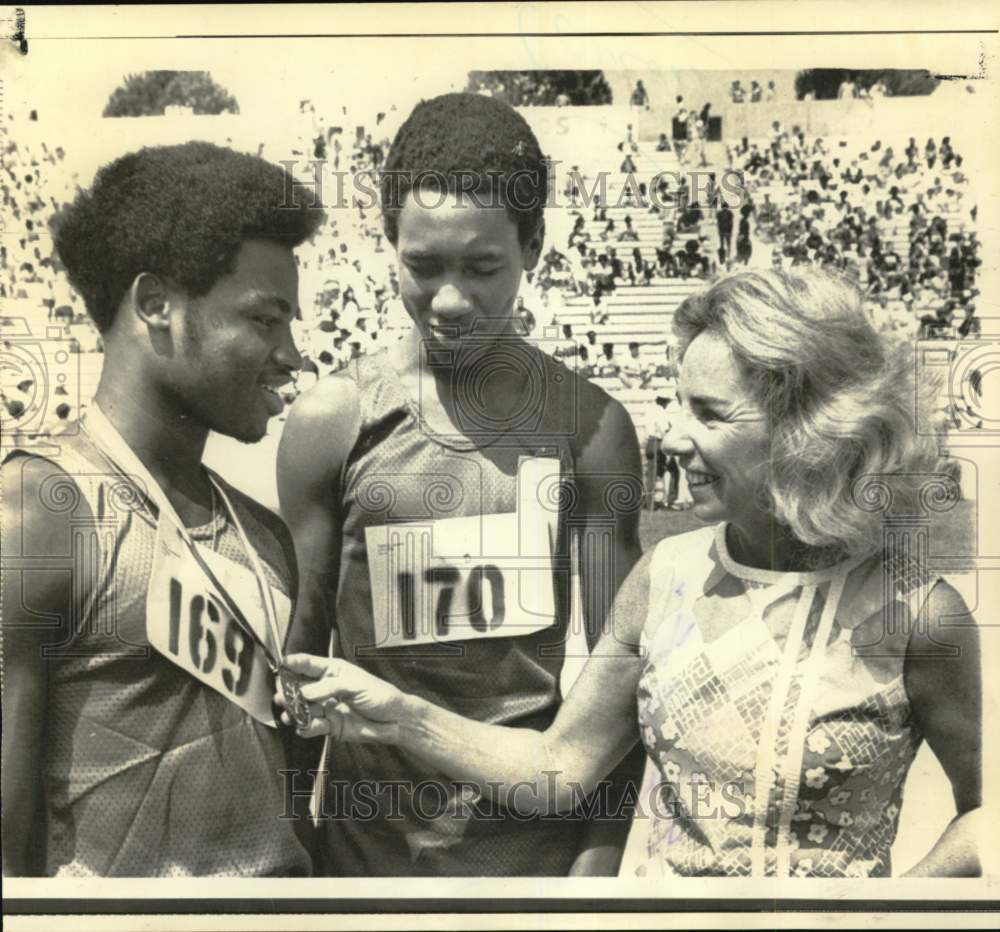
(773, 710)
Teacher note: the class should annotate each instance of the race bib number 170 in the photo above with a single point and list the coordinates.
(480, 576)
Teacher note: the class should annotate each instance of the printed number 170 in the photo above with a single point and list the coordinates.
(449, 581)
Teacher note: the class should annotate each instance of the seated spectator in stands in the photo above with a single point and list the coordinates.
(692, 260)
(567, 348)
(628, 234)
(667, 367)
(663, 145)
(598, 313)
(767, 215)
(572, 189)
(579, 235)
(325, 359)
(689, 220)
(608, 232)
(602, 276)
(736, 92)
(584, 366)
(607, 363)
(634, 268)
(628, 198)
(756, 92)
(628, 166)
(636, 372)
(615, 264)
(771, 94)
(666, 264)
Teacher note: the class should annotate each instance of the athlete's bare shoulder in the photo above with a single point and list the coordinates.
(319, 435)
(41, 502)
(583, 411)
(331, 399)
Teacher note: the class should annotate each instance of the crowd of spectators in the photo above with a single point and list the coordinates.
(36, 297)
(596, 265)
(347, 276)
(899, 224)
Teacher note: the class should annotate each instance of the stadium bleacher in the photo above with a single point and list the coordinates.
(350, 293)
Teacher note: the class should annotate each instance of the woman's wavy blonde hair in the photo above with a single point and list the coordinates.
(839, 395)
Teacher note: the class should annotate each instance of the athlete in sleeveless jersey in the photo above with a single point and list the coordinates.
(409, 483)
(149, 772)
(511, 680)
(145, 602)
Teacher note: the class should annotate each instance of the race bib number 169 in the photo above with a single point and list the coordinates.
(188, 623)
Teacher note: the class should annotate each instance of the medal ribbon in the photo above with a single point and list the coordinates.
(127, 465)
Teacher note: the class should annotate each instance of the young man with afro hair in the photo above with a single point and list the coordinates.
(433, 490)
(142, 595)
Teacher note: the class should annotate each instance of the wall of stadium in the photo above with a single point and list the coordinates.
(889, 118)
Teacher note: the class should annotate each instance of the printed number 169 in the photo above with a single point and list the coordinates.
(201, 647)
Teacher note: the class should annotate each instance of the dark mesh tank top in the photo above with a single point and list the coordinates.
(148, 771)
(386, 813)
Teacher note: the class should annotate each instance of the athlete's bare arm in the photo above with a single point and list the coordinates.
(321, 430)
(593, 728)
(36, 613)
(609, 485)
(314, 445)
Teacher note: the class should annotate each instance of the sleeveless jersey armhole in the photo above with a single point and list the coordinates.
(90, 488)
(357, 376)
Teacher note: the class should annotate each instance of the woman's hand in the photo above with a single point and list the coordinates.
(345, 701)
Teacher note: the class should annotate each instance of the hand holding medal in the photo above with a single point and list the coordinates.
(330, 696)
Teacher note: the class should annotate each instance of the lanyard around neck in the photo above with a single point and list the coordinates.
(125, 463)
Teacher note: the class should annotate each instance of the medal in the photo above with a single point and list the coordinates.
(295, 703)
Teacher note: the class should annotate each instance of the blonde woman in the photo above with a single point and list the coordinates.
(784, 667)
